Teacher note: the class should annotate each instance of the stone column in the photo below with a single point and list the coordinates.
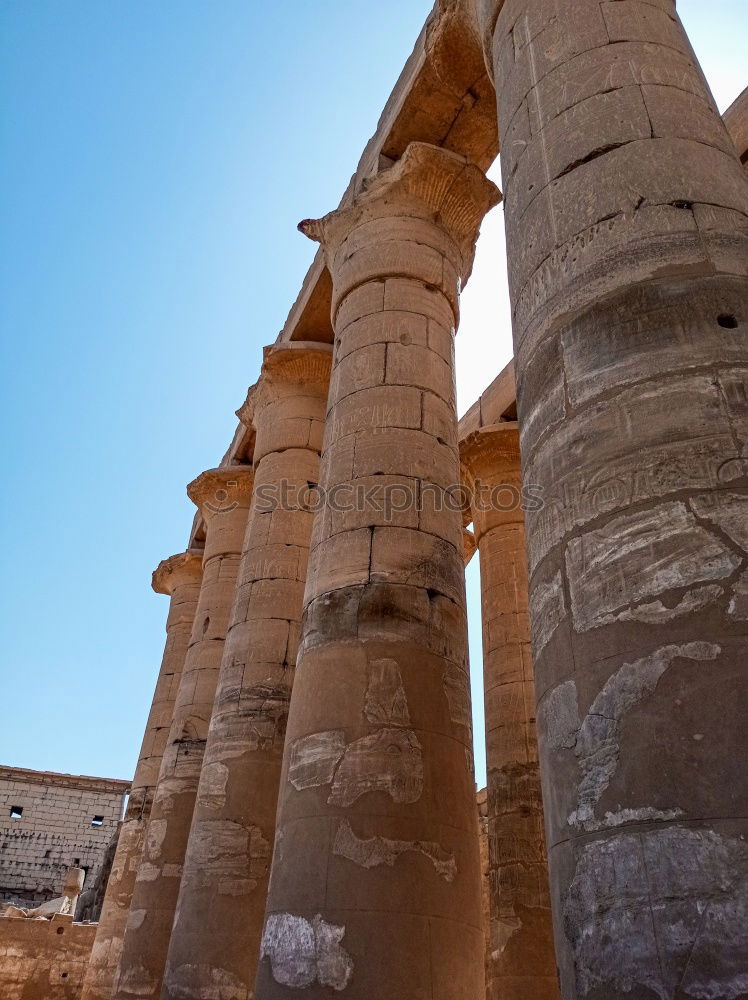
(223, 497)
(522, 963)
(179, 577)
(627, 235)
(224, 886)
(375, 886)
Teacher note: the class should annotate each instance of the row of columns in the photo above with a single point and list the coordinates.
(308, 826)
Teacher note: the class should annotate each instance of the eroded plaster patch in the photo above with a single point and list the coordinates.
(147, 872)
(370, 852)
(215, 984)
(457, 689)
(596, 746)
(389, 761)
(638, 556)
(738, 606)
(386, 702)
(135, 919)
(682, 892)
(303, 952)
(228, 856)
(594, 740)
(560, 717)
(729, 511)
(213, 780)
(314, 758)
(155, 838)
(136, 981)
(265, 709)
(655, 612)
(501, 933)
(547, 611)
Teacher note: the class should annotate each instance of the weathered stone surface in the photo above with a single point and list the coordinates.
(179, 577)
(378, 791)
(627, 225)
(520, 963)
(227, 860)
(627, 247)
(223, 496)
(736, 123)
(43, 959)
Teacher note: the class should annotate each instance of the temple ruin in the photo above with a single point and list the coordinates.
(303, 819)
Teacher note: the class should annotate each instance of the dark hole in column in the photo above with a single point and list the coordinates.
(727, 320)
(97, 821)
(16, 812)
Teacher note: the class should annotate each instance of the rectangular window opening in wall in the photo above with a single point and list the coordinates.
(97, 821)
(16, 812)
(76, 862)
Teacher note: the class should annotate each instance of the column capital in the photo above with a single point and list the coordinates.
(184, 567)
(469, 544)
(427, 182)
(246, 411)
(491, 468)
(222, 489)
(491, 451)
(297, 363)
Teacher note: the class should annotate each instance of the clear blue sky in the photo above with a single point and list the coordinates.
(155, 157)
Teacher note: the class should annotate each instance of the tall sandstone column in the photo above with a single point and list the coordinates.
(223, 497)
(225, 880)
(627, 236)
(179, 577)
(522, 964)
(375, 885)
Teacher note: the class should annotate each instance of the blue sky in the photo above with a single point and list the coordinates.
(155, 157)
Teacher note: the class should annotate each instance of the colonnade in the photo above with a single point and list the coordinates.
(303, 819)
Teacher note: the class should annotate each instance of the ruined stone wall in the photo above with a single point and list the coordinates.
(58, 828)
(91, 900)
(43, 959)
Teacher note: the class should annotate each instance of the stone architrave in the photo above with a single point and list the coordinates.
(521, 961)
(223, 497)
(179, 577)
(224, 885)
(626, 214)
(375, 883)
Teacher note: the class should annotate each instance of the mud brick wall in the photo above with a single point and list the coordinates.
(55, 831)
(43, 959)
